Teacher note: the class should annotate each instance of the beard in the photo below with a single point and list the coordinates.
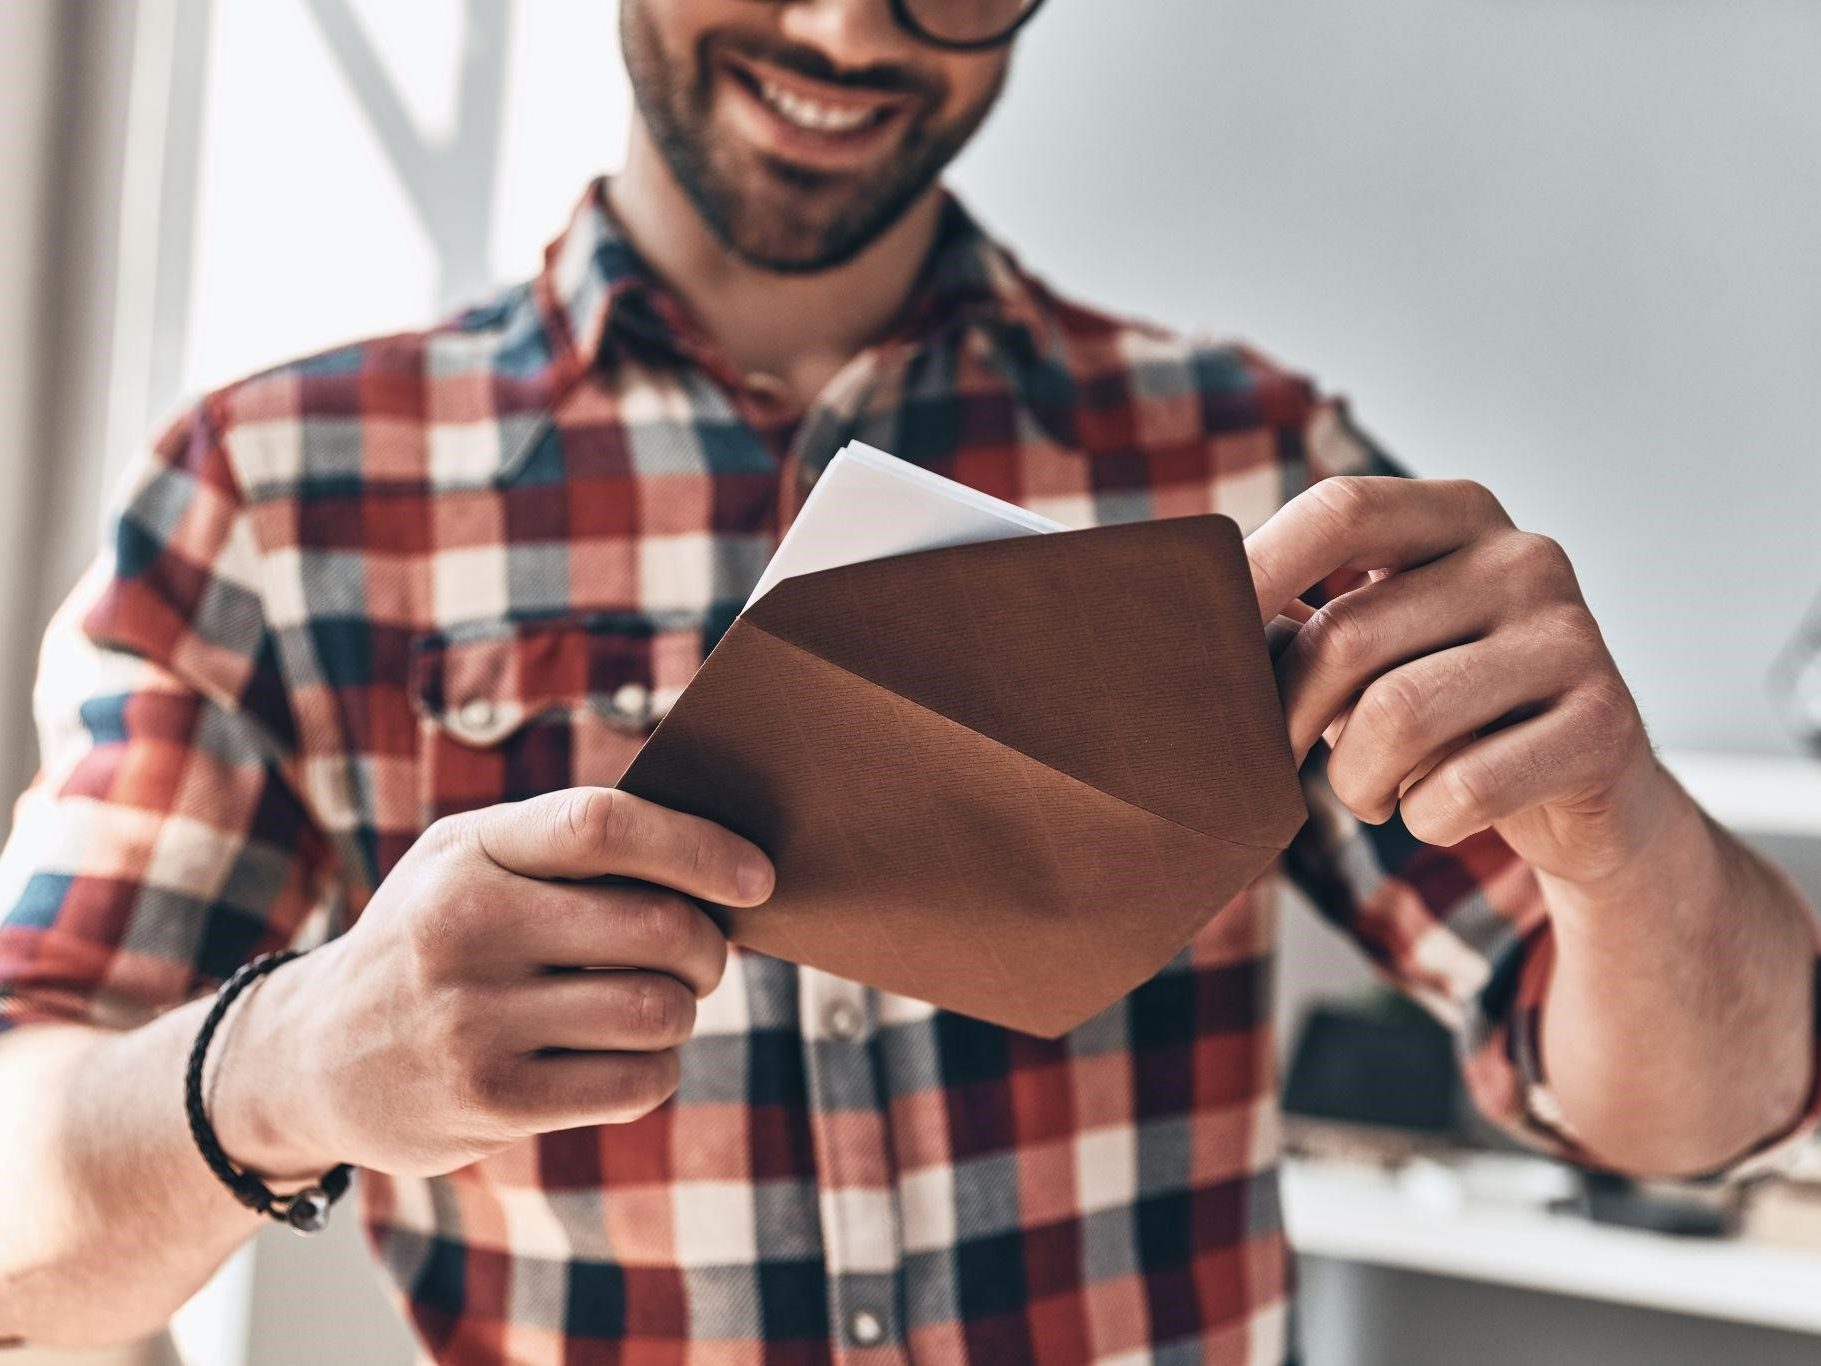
(771, 213)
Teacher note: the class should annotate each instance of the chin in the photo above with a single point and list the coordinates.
(793, 255)
(791, 228)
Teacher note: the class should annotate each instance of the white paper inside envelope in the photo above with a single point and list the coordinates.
(868, 505)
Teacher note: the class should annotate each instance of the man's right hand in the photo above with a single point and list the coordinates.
(488, 992)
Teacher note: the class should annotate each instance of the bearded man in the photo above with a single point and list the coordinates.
(380, 629)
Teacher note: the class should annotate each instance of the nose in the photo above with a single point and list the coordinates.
(850, 33)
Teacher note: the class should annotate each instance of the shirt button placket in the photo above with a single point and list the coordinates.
(856, 1192)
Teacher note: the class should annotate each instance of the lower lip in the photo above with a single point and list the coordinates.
(771, 131)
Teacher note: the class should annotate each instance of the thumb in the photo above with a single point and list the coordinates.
(588, 832)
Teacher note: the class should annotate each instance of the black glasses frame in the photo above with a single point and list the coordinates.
(901, 11)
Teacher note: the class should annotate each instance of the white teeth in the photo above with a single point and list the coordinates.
(813, 114)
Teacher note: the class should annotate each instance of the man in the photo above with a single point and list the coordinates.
(381, 628)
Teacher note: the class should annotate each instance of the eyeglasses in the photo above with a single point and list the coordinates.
(965, 25)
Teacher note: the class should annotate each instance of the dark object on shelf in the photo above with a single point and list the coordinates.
(1610, 1199)
(1379, 1060)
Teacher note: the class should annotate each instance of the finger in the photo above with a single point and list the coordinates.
(1550, 758)
(625, 1011)
(1337, 727)
(1434, 761)
(573, 1090)
(632, 925)
(1362, 634)
(1362, 523)
(1407, 716)
(585, 832)
(1280, 631)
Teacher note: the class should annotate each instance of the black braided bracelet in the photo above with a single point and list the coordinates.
(308, 1210)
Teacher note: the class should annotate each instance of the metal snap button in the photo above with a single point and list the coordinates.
(632, 702)
(866, 1328)
(477, 715)
(844, 1021)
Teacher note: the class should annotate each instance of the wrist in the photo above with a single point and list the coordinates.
(1669, 855)
(262, 1096)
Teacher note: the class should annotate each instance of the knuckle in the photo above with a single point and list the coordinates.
(448, 836)
(486, 1087)
(1348, 781)
(1610, 715)
(1426, 822)
(463, 1030)
(441, 835)
(1466, 790)
(1542, 562)
(636, 1085)
(653, 1081)
(438, 930)
(716, 967)
(1480, 500)
(1343, 498)
(1395, 708)
(1569, 625)
(1341, 636)
(1413, 813)
(448, 1021)
(663, 1011)
(660, 922)
(589, 815)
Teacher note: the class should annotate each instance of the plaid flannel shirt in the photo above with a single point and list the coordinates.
(429, 572)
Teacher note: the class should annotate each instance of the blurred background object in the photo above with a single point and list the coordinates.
(1564, 247)
(1379, 1060)
(1796, 680)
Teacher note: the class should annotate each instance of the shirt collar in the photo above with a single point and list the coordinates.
(591, 272)
(975, 279)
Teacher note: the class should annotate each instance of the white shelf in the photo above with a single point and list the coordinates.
(1762, 794)
(1359, 1214)
(215, 1326)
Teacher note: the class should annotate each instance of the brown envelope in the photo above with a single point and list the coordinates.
(1012, 779)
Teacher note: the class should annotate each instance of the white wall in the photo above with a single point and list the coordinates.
(315, 221)
(1570, 248)
(28, 37)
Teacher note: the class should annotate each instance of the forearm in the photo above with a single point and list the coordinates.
(1677, 1032)
(112, 1219)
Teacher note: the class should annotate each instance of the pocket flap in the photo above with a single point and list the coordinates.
(482, 685)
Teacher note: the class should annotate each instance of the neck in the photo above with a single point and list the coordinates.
(796, 328)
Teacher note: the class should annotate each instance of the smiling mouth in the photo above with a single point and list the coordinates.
(830, 116)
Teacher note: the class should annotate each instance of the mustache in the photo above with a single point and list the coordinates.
(881, 79)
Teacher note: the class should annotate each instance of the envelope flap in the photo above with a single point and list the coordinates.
(921, 857)
(1128, 657)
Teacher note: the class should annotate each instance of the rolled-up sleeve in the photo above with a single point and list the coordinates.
(164, 841)
(1463, 930)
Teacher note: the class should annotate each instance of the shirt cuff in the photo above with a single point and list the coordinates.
(1510, 1041)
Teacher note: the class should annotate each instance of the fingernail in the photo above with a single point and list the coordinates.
(753, 876)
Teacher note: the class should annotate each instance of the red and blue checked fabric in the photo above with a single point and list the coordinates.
(429, 572)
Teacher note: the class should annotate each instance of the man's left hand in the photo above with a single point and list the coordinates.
(1464, 682)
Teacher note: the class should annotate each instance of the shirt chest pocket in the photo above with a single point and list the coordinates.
(510, 711)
